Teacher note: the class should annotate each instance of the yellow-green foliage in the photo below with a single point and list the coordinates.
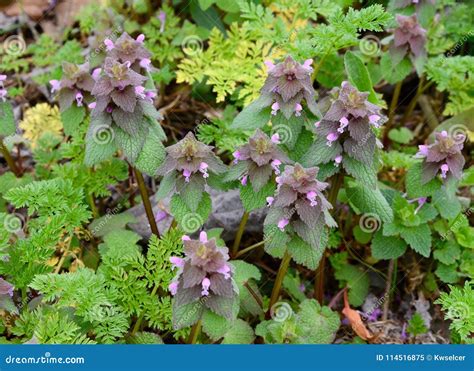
(40, 119)
(229, 63)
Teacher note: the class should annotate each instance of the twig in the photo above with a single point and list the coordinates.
(247, 249)
(240, 232)
(388, 287)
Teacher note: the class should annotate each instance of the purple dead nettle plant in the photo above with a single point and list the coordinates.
(3, 91)
(299, 204)
(348, 126)
(443, 157)
(204, 276)
(189, 162)
(409, 38)
(259, 159)
(6, 288)
(287, 84)
(75, 85)
(124, 94)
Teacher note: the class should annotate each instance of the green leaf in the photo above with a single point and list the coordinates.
(365, 174)
(188, 220)
(448, 252)
(252, 200)
(447, 203)
(100, 143)
(394, 74)
(111, 222)
(72, 118)
(369, 201)
(387, 247)
(131, 145)
(204, 4)
(419, 238)
(304, 254)
(187, 315)
(7, 119)
(152, 155)
(447, 273)
(254, 116)
(401, 135)
(416, 325)
(245, 276)
(167, 184)
(414, 186)
(320, 153)
(240, 332)
(359, 75)
(361, 236)
(214, 325)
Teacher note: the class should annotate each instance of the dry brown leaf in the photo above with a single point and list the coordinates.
(33, 8)
(356, 320)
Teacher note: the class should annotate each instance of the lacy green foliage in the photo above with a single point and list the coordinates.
(454, 76)
(228, 63)
(50, 325)
(416, 325)
(353, 277)
(451, 30)
(218, 132)
(312, 324)
(458, 307)
(99, 306)
(164, 40)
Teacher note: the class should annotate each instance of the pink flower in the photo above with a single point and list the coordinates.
(141, 38)
(307, 65)
(150, 95)
(422, 151)
(275, 165)
(162, 18)
(185, 238)
(374, 120)
(338, 160)
(282, 224)
(205, 286)
(203, 169)
(311, 196)
(173, 287)
(96, 73)
(145, 63)
(331, 137)
(92, 105)
(298, 109)
(109, 109)
(109, 44)
(317, 123)
(140, 92)
(203, 237)
(161, 215)
(269, 64)
(177, 262)
(270, 201)
(186, 174)
(444, 170)
(79, 99)
(243, 181)
(275, 108)
(238, 156)
(55, 86)
(225, 270)
(275, 138)
(343, 124)
(3, 77)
